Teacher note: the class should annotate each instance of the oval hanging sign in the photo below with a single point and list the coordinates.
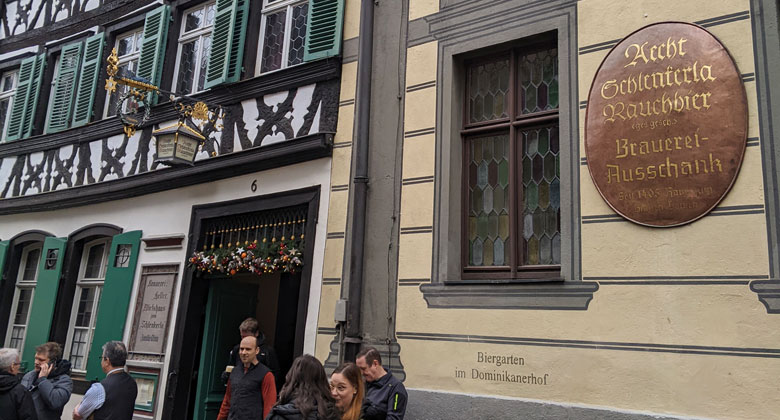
(666, 125)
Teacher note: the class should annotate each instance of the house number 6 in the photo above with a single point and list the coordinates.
(254, 186)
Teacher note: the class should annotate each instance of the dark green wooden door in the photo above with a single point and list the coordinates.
(229, 303)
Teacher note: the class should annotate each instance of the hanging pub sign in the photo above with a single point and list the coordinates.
(666, 125)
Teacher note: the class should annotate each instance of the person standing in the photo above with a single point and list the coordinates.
(49, 383)
(305, 395)
(113, 398)
(251, 390)
(385, 395)
(267, 356)
(15, 402)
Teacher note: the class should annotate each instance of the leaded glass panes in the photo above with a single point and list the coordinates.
(194, 49)
(538, 80)
(283, 34)
(273, 41)
(7, 91)
(5, 105)
(187, 62)
(541, 193)
(488, 208)
(512, 166)
(128, 48)
(488, 85)
(298, 34)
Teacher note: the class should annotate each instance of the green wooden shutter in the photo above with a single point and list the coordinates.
(114, 299)
(227, 42)
(90, 70)
(3, 251)
(44, 297)
(64, 88)
(26, 97)
(323, 29)
(150, 62)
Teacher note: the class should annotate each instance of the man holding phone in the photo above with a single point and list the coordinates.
(49, 383)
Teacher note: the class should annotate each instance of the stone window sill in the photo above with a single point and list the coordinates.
(500, 294)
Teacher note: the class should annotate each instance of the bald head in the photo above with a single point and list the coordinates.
(248, 351)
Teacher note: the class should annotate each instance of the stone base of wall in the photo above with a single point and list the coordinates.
(432, 405)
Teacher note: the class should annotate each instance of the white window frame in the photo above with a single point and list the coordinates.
(10, 96)
(81, 284)
(134, 55)
(184, 38)
(22, 283)
(268, 9)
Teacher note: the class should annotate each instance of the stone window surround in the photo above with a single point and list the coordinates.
(447, 288)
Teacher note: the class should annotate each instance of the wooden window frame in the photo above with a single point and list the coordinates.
(266, 10)
(81, 284)
(512, 126)
(185, 37)
(9, 95)
(22, 283)
(123, 59)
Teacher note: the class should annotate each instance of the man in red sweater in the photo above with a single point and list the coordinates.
(251, 390)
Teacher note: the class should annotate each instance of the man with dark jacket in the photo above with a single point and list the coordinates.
(251, 391)
(267, 356)
(385, 394)
(49, 383)
(112, 398)
(15, 402)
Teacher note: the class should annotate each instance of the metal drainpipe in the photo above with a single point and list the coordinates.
(352, 333)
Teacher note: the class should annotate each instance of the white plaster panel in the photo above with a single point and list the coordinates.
(5, 169)
(250, 120)
(315, 125)
(96, 163)
(33, 161)
(113, 143)
(300, 103)
(130, 152)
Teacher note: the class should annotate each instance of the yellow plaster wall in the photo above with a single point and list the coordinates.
(702, 328)
(422, 8)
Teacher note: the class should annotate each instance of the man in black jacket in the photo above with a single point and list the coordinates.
(385, 394)
(15, 402)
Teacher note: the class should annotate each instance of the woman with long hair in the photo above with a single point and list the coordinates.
(346, 387)
(305, 394)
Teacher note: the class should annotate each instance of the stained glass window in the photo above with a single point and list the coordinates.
(512, 165)
(128, 49)
(7, 90)
(283, 34)
(194, 49)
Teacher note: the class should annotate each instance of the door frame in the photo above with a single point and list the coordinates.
(179, 388)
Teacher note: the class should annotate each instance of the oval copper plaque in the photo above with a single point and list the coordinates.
(666, 125)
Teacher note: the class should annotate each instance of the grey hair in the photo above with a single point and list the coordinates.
(115, 352)
(7, 358)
